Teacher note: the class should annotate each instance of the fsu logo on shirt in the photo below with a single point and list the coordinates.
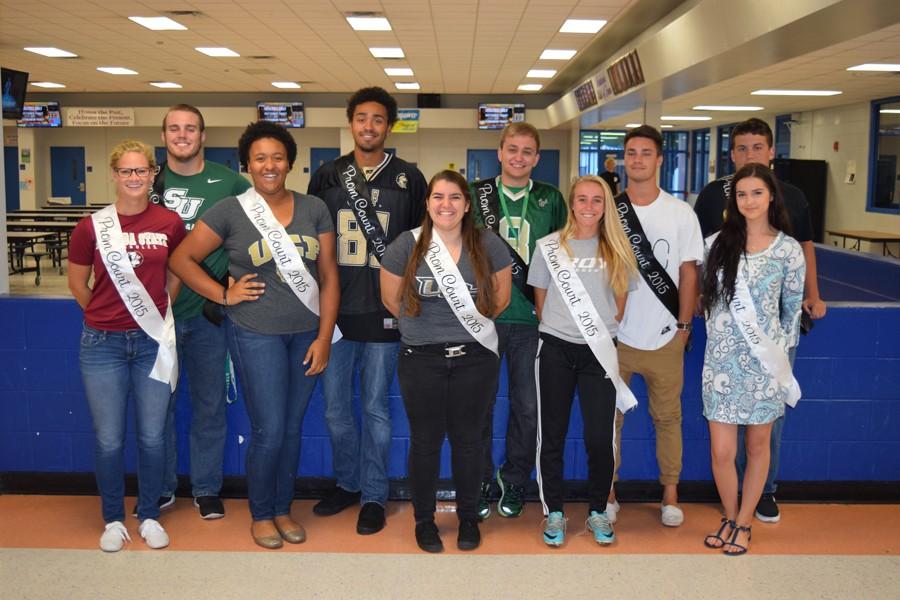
(135, 258)
(402, 181)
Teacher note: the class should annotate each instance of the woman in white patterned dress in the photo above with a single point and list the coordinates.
(751, 252)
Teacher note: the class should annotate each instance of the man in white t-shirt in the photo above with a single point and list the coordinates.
(657, 322)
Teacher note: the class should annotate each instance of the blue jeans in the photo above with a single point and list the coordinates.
(114, 365)
(519, 343)
(201, 352)
(360, 460)
(740, 460)
(276, 392)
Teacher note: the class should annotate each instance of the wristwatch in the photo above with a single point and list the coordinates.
(684, 326)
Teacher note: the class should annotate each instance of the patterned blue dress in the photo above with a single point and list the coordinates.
(736, 388)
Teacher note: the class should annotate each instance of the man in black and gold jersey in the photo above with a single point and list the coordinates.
(373, 196)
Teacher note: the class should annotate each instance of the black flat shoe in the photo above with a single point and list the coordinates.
(469, 536)
(428, 538)
(335, 501)
(371, 519)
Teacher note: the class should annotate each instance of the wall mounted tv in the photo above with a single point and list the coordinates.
(40, 114)
(498, 116)
(13, 85)
(288, 114)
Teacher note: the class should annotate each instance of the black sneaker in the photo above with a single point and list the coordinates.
(469, 536)
(484, 501)
(371, 519)
(164, 502)
(428, 538)
(337, 500)
(512, 497)
(211, 507)
(767, 509)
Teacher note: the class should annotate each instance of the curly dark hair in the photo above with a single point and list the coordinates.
(731, 243)
(373, 94)
(266, 129)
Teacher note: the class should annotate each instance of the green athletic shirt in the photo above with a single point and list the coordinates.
(190, 197)
(546, 213)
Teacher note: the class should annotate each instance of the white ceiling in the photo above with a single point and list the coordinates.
(453, 46)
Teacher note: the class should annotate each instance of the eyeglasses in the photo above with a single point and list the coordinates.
(125, 173)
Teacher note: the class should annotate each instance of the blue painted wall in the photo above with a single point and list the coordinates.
(847, 427)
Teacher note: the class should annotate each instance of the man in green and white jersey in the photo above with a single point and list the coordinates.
(189, 185)
(521, 211)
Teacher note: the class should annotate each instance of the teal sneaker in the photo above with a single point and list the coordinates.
(555, 530)
(484, 501)
(599, 524)
(512, 497)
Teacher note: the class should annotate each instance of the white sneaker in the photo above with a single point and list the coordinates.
(612, 511)
(154, 534)
(114, 537)
(672, 516)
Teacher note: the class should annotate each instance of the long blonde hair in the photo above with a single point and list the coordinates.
(612, 245)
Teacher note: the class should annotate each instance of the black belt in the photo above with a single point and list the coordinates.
(447, 349)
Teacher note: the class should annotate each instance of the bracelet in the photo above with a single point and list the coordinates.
(684, 327)
(225, 296)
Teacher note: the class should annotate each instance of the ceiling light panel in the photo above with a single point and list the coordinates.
(557, 54)
(795, 93)
(530, 87)
(582, 26)
(407, 85)
(541, 73)
(398, 71)
(369, 23)
(171, 85)
(51, 52)
(728, 108)
(217, 52)
(387, 52)
(158, 23)
(46, 84)
(117, 70)
(286, 85)
(889, 67)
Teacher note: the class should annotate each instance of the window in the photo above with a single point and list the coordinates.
(783, 136)
(724, 164)
(884, 153)
(596, 147)
(699, 159)
(589, 153)
(674, 172)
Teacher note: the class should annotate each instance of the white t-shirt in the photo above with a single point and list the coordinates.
(673, 231)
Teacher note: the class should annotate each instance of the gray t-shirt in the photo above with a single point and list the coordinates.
(555, 316)
(278, 310)
(436, 322)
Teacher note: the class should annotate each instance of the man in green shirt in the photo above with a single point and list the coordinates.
(521, 211)
(189, 186)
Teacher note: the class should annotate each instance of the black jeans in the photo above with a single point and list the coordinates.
(562, 366)
(446, 397)
(519, 344)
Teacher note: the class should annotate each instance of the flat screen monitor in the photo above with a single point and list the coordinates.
(287, 114)
(40, 114)
(498, 116)
(13, 86)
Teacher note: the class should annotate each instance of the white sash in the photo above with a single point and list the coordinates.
(773, 359)
(113, 252)
(593, 330)
(287, 259)
(456, 293)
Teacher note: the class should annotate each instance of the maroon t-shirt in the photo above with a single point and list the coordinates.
(153, 236)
